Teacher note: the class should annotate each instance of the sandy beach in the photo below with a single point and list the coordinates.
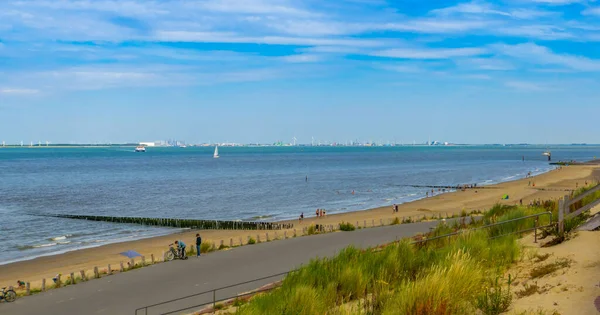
(550, 185)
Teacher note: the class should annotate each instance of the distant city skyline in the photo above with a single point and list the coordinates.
(261, 71)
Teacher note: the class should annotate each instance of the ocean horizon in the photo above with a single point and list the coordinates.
(246, 183)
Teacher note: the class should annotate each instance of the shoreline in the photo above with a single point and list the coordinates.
(33, 270)
(411, 199)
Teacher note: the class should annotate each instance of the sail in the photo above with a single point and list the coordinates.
(216, 151)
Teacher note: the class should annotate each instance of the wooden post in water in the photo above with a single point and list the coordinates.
(72, 278)
(27, 289)
(43, 284)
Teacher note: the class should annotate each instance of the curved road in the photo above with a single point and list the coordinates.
(124, 293)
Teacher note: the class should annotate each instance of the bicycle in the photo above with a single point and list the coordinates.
(8, 295)
(173, 253)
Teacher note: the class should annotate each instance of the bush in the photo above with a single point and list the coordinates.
(347, 227)
(311, 230)
(396, 221)
(205, 247)
(251, 241)
(495, 300)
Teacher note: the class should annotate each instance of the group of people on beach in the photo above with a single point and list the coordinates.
(320, 213)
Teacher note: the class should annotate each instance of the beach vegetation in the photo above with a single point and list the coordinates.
(223, 246)
(205, 247)
(466, 271)
(495, 299)
(549, 268)
(251, 241)
(396, 221)
(528, 289)
(311, 230)
(347, 226)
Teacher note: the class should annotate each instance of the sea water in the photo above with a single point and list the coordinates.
(246, 183)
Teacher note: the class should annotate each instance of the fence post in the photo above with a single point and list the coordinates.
(268, 236)
(561, 226)
(222, 244)
(58, 283)
(83, 278)
(43, 284)
(241, 241)
(357, 225)
(535, 224)
(285, 234)
(27, 289)
(231, 242)
(276, 236)
(248, 238)
(109, 270)
(132, 262)
(143, 260)
(121, 269)
(96, 274)
(72, 278)
(258, 238)
(152, 258)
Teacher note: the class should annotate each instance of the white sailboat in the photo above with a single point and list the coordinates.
(216, 155)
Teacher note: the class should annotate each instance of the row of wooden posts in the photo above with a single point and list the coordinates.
(132, 264)
(181, 223)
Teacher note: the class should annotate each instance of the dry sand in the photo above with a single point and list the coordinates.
(570, 290)
(547, 186)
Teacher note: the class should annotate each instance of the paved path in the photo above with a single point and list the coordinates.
(124, 293)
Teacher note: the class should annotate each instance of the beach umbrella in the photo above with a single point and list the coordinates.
(131, 254)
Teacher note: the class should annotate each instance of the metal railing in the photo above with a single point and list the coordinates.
(214, 300)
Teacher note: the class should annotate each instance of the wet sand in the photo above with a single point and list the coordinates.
(550, 185)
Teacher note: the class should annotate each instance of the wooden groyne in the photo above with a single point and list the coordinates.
(179, 223)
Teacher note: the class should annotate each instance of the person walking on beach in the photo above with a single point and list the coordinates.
(317, 213)
(198, 244)
(394, 208)
(301, 216)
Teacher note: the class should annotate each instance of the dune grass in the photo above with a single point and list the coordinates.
(446, 276)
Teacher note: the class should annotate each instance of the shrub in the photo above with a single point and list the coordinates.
(494, 300)
(347, 226)
(311, 230)
(251, 241)
(205, 247)
(396, 221)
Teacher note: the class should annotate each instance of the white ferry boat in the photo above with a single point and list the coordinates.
(140, 148)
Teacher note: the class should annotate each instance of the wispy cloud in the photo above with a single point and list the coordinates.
(16, 91)
(302, 58)
(525, 86)
(541, 55)
(422, 53)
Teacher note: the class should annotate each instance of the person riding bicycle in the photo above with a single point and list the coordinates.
(180, 247)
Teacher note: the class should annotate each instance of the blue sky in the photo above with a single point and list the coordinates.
(266, 70)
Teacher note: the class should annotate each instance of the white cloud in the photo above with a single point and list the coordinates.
(229, 37)
(491, 64)
(423, 53)
(302, 58)
(541, 55)
(591, 11)
(525, 86)
(558, 2)
(18, 91)
(547, 32)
